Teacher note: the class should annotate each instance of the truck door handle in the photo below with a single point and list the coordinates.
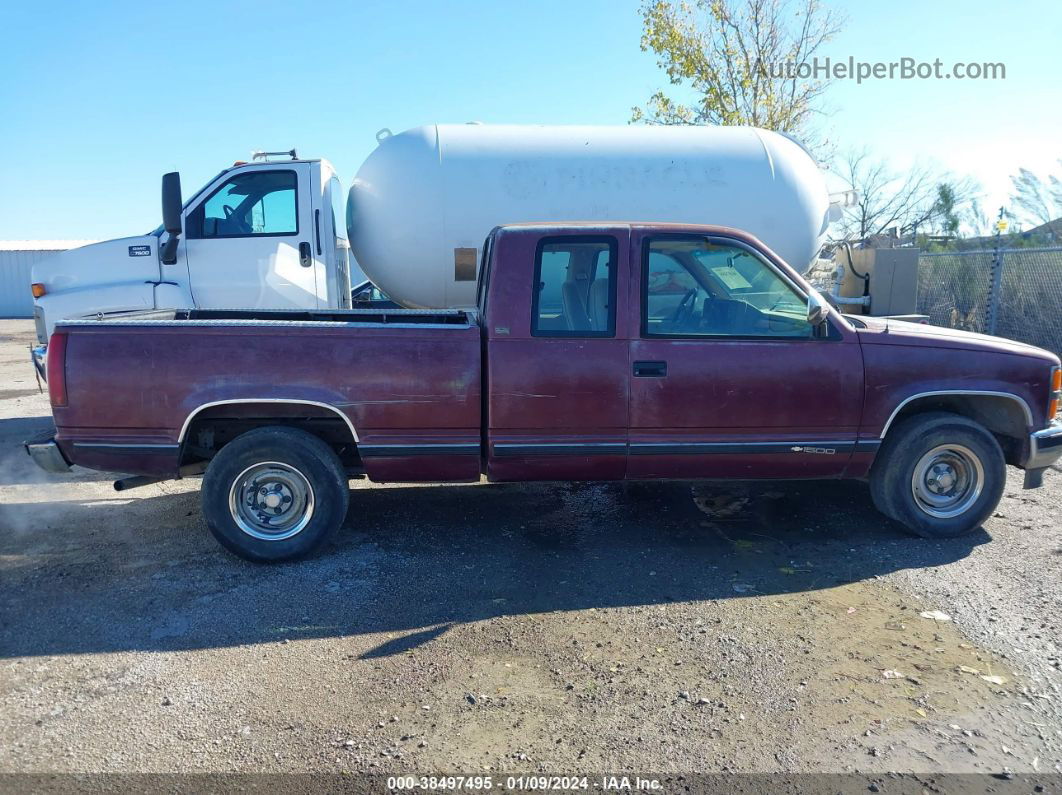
(650, 369)
(305, 256)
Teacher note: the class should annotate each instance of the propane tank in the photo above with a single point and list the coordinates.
(423, 202)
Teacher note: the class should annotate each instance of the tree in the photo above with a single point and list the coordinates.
(1037, 201)
(739, 59)
(921, 200)
(958, 208)
(947, 205)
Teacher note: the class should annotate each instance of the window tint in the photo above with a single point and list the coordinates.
(575, 288)
(254, 203)
(699, 288)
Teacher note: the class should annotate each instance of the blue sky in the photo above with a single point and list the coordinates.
(98, 100)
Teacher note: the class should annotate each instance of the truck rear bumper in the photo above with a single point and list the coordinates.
(47, 455)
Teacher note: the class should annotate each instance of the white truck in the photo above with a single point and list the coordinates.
(273, 233)
(263, 234)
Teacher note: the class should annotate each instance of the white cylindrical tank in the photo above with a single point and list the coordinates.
(426, 196)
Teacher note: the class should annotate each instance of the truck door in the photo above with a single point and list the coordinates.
(727, 377)
(331, 249)
(557, 348)
(249, 240)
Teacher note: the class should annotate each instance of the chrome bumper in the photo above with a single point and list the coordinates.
(1045, 447)
(39, 357)
(47, 455)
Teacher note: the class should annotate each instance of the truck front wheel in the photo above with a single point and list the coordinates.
(939, 474)
(274, 494)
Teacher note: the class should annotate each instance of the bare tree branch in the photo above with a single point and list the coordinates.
(920, 200)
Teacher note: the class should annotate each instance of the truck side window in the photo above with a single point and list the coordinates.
(252, 204)
(693, 287)
(574, 291)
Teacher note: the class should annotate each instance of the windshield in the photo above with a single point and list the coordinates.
(740, 275)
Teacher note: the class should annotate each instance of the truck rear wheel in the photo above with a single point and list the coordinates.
(274, 494)
(939, 474)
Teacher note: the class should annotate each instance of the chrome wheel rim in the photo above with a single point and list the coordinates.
(947, 481)
(271, 501)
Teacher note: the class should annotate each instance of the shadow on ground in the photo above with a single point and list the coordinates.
(16, 468)
(145, 573)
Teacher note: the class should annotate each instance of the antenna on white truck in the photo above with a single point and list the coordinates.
(258, 154)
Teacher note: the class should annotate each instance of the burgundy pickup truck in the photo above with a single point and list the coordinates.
(596, 352)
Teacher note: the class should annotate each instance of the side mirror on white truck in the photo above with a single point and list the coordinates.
(171, 216)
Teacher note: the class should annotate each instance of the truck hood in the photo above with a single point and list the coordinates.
(107, 262)
(884, 331)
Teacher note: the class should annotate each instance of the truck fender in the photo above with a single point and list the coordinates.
(1026, 411)
(288, 401)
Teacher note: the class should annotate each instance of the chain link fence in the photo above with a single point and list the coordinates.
(1017, 295)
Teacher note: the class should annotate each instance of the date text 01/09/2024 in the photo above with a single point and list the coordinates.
(523, 783)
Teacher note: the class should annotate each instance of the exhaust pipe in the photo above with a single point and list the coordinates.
(136, 481)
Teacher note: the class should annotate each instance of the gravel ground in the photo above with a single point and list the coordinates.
(568, 628)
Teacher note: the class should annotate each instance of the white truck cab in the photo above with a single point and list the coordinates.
(268, 234)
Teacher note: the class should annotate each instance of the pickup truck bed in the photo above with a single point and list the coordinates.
(400, 381)
(596, 352)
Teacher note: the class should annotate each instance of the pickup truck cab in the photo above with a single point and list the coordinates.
(269, 233)
(596, 352)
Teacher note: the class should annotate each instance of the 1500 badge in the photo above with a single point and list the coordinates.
(140, 251)
(817, 450)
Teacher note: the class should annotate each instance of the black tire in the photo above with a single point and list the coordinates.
(939, 474)
(879, 493)
(274, 494)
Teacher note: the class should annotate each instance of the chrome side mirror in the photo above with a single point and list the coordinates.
(818, 310)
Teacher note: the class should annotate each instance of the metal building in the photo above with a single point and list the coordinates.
(16, 263)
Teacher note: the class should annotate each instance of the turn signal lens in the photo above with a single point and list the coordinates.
(37, 289)
(1056, 393)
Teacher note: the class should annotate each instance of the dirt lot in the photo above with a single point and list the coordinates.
(664, 628)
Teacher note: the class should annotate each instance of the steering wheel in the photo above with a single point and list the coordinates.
(241, 225)
(684, 309)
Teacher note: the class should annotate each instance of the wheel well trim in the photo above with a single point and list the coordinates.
(289, 401)
(962, 392)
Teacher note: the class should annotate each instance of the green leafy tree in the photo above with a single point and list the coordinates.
(730, 57)
(947, 209)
